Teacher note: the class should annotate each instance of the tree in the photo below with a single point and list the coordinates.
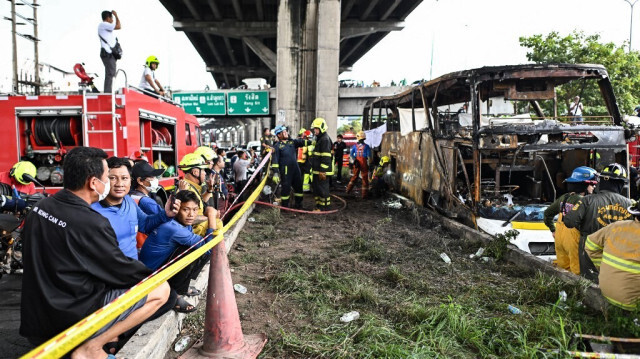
(356, 124)
(578, 48)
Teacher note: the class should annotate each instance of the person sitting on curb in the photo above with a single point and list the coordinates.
(145, 185)
(173, 238)
(120, 209)
(78, 267)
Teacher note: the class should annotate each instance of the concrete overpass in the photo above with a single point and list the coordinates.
(299, 45)
(240, 130)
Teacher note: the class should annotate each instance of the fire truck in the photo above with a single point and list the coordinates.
(42, 129)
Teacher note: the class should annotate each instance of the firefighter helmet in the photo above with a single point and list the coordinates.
(279, 129)
(583, 174)
(192, 160)
(302, 131)
(206, 152)
(152, 60)
(320, 124)
(614, 171)
(20, 169)
(384, 160)
(361, 135)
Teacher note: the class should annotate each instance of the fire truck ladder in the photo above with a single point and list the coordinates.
(87, 116)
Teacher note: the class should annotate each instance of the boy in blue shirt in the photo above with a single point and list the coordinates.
(174, 237)
(120, 209)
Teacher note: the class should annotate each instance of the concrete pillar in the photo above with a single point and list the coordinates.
(327, 63)
(308, 62)
(288, 59)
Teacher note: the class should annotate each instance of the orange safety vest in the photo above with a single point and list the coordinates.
(302, 154)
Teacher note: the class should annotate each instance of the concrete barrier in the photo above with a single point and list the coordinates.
(154, 339)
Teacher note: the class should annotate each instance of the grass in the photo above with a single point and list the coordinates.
(399, 321)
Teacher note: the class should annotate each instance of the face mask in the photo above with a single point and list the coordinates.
(154, 185)
(105, 192)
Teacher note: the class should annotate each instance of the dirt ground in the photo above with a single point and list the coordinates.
(304, 271)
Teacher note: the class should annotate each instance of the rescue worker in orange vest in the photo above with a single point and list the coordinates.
(360, 155)
(17, 181)
(321, 164)
(303, 161)
(582, 182)
(593, 212)
(614, 251)
(285, 167)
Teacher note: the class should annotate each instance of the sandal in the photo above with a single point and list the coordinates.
(193, 292)
(182, 306)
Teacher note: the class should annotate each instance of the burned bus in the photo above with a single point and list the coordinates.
(492, 146)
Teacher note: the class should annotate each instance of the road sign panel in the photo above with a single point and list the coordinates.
(243, 103)
(202, 103)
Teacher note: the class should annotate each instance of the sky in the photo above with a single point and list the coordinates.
(460, 34)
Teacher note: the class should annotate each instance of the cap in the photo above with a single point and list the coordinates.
(143, 169)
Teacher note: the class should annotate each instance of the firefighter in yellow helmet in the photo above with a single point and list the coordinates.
(209, 156)
(17, 182)
(360, 155)
(195, 168)
(321, 164)
(598, 210)
(377, 185)
(148, 81)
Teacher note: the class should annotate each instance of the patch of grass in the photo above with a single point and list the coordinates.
(247, 258)
(497, 248)
(270, 216)
(369, 249)
(394, 275)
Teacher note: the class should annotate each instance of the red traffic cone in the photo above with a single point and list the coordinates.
(223, 336)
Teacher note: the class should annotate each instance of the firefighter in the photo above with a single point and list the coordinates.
(360, 155)
(594, 212)
(582, 182)
(377, 184)
(15, 182)
(285, 168)
(303, 160)
(209, 156)
(321, 164)
(194, 168)
(614, 251)
(266, 141)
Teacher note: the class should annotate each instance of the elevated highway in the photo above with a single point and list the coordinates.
(298, 46)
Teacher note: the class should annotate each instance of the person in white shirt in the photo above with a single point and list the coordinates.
(240, 169)
(575, 110)
(148, 81)
(107, 41)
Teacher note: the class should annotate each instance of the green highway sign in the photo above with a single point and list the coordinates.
(242, 103)
(202, 103)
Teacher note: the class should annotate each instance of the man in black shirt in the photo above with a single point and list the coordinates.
(338, 155)
(72, 263)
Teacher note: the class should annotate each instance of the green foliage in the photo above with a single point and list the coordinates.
(578, 48)
(356, 124)
(498, 246)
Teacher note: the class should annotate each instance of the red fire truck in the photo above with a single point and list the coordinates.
(41, 129)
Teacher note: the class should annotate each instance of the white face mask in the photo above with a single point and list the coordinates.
(154, 185)
(105, 192)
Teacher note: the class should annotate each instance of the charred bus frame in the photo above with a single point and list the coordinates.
(505, 148)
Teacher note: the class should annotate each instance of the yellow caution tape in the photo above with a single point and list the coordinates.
(79, 332)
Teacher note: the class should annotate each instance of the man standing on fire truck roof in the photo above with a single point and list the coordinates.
(107, 41)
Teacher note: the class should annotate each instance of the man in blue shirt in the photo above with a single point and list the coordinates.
(120, 209)
(174, 237)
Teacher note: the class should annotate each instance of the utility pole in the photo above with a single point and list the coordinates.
(35, 48)
(14, 45)
(631, 4)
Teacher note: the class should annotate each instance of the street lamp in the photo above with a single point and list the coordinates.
(631, 4)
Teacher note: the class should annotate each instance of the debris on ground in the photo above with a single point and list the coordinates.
(264, 244)
(514, 310)
(393, 204)
(182, 343)
(251, 219)
(445, 258)
(351, 316)
(240, 288)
